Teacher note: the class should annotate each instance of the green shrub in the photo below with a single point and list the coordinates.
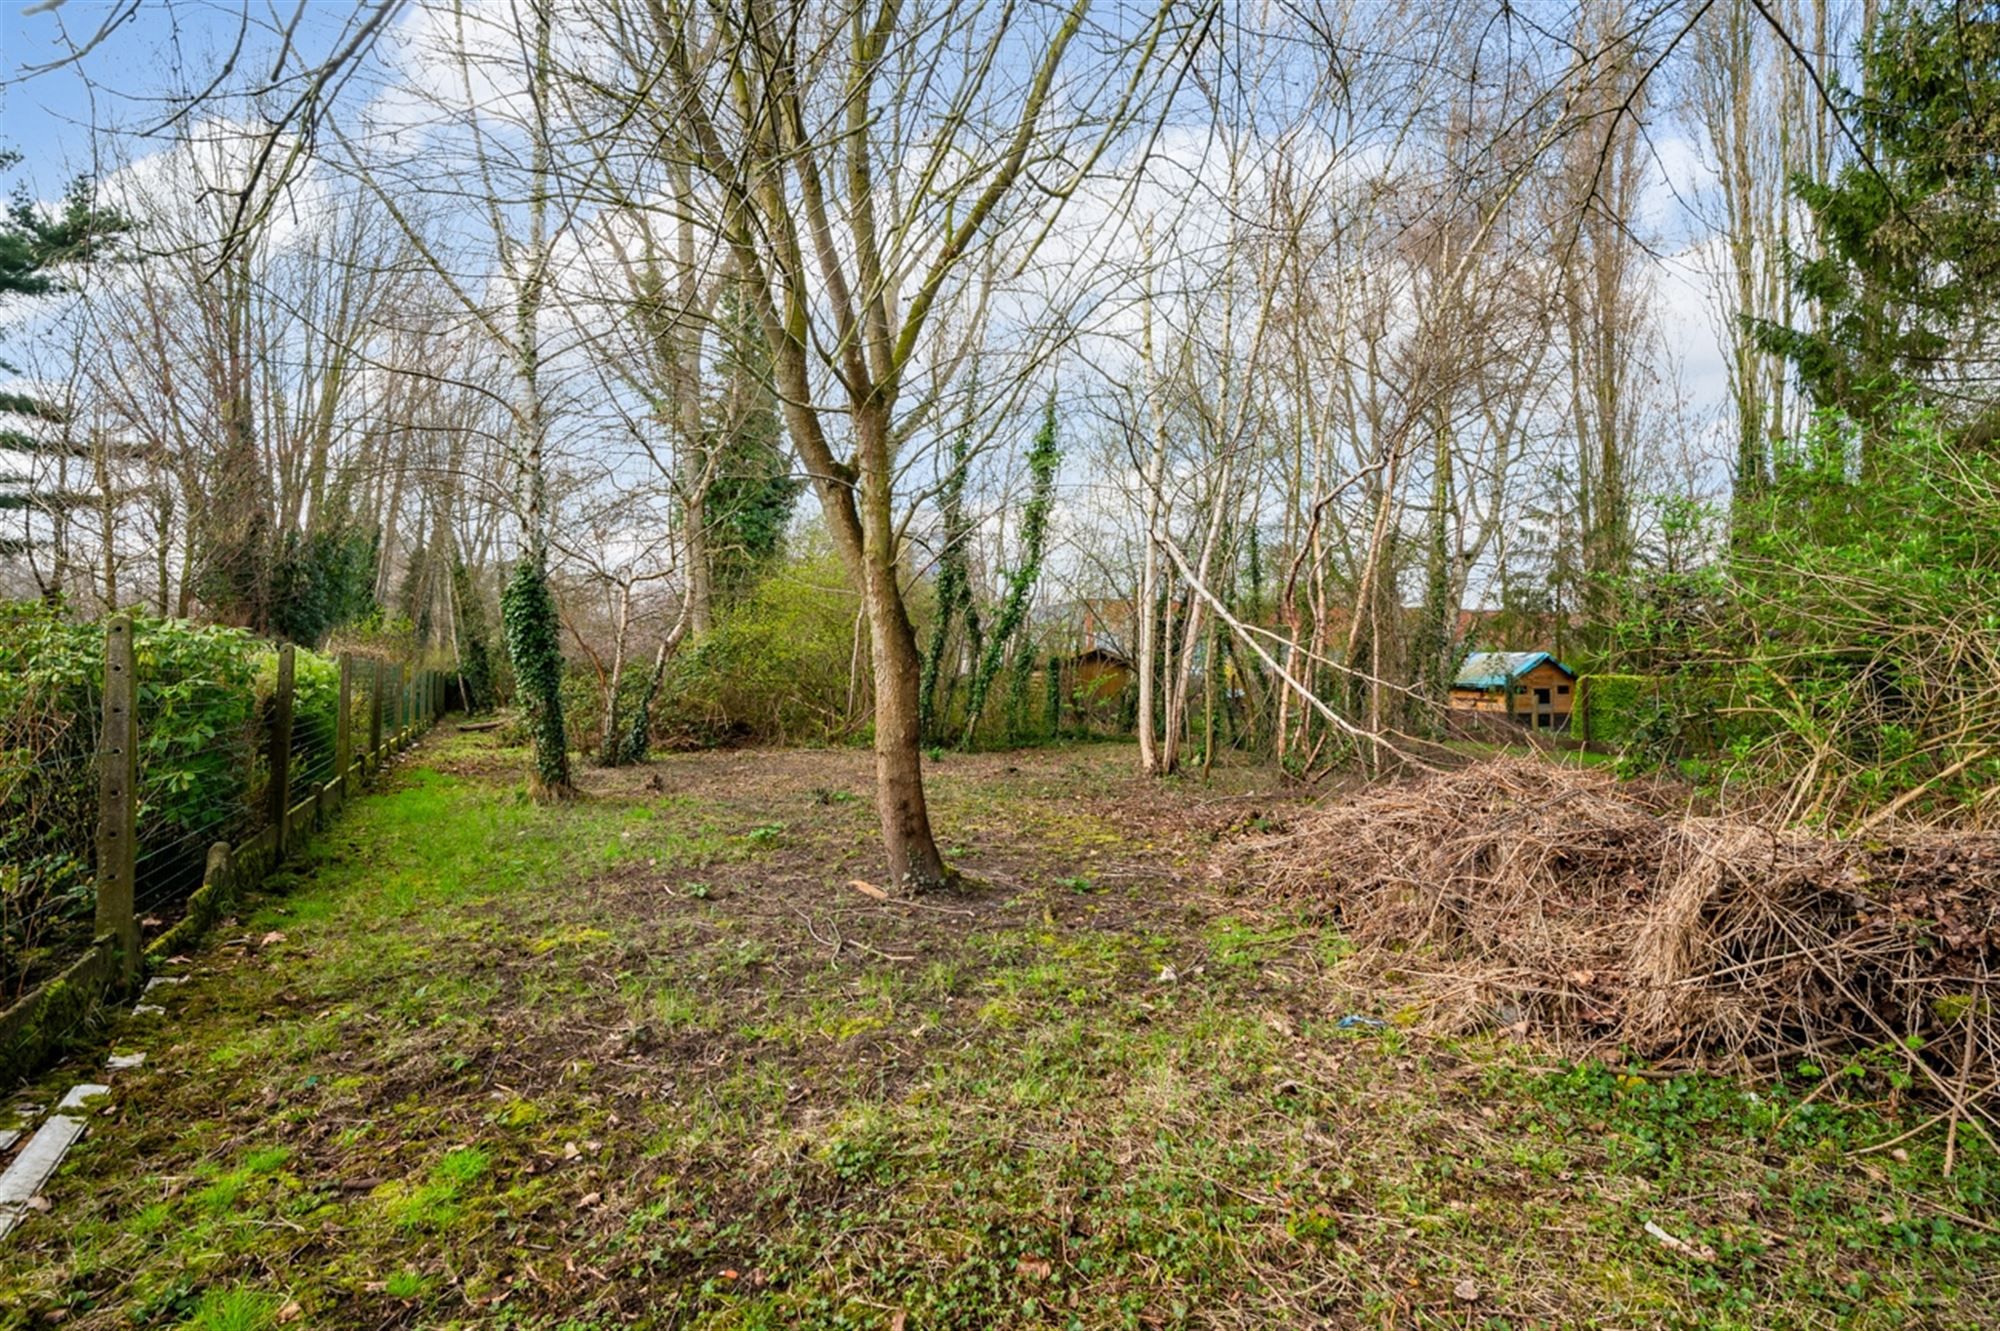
(1864, 640)
(583, 701)
(774, 667)
(1611, 708)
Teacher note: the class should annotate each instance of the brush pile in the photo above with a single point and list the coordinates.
(1520, 894)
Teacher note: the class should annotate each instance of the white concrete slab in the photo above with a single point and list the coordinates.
(39, 1159)
(74, 1101)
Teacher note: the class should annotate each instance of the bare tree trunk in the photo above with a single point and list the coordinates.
(906, 826)
(1152, 759)
(696, 467)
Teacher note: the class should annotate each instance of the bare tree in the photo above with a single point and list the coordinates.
(862, 161)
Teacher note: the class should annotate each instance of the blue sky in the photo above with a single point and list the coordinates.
(125, 82)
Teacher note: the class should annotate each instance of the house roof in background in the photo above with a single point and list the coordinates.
(1495, 670)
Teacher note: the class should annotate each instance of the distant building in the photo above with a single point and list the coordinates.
(1531, 687)
(1098, 674)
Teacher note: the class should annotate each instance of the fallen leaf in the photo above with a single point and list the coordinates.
(39, 1203)
(867, 889)
(897, 1319)
(591, 1199)
(291, 1312)
(1033, 1266)
(268, 939)
(1467, 1291)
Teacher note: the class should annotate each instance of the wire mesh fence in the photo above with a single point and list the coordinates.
(225, 736)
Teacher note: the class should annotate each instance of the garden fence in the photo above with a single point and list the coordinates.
(185, 818)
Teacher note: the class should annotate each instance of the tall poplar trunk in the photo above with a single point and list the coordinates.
(1154, 760)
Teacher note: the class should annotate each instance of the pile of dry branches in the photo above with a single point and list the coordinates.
(1522, 894)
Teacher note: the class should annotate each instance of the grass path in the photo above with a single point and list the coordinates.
(647, 1060)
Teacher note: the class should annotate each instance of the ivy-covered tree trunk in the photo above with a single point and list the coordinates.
(528, 617)
(473, 642)
(954, 584)
(1435, 648)
(638, 736)
(1043, 459)
(527, 608)
(1052, 697)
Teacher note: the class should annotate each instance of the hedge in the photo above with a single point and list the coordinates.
(1610, 708)
(203, 692)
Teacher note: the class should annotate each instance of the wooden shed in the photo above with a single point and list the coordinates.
(1533, 688)
(1099, 674)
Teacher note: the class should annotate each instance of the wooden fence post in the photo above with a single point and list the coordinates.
(118, 797)
(281, 751)
(343, 735)
(374, 713)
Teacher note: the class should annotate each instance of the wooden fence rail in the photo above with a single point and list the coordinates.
(39, 1025)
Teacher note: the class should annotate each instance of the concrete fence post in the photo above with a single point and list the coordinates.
(118, 797)
(281, 751)
(343, 734)
(218, 876)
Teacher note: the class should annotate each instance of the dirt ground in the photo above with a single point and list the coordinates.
(652, 1059)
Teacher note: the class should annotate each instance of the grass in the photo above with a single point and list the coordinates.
(647, 1060)
(1564, 757)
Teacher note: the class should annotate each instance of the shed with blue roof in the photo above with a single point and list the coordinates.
(1533, 688)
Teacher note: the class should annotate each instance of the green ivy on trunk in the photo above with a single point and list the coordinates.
(528, 618)
(1043, 460)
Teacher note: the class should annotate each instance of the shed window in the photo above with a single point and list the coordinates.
(1541, 697)
(1562, 688)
